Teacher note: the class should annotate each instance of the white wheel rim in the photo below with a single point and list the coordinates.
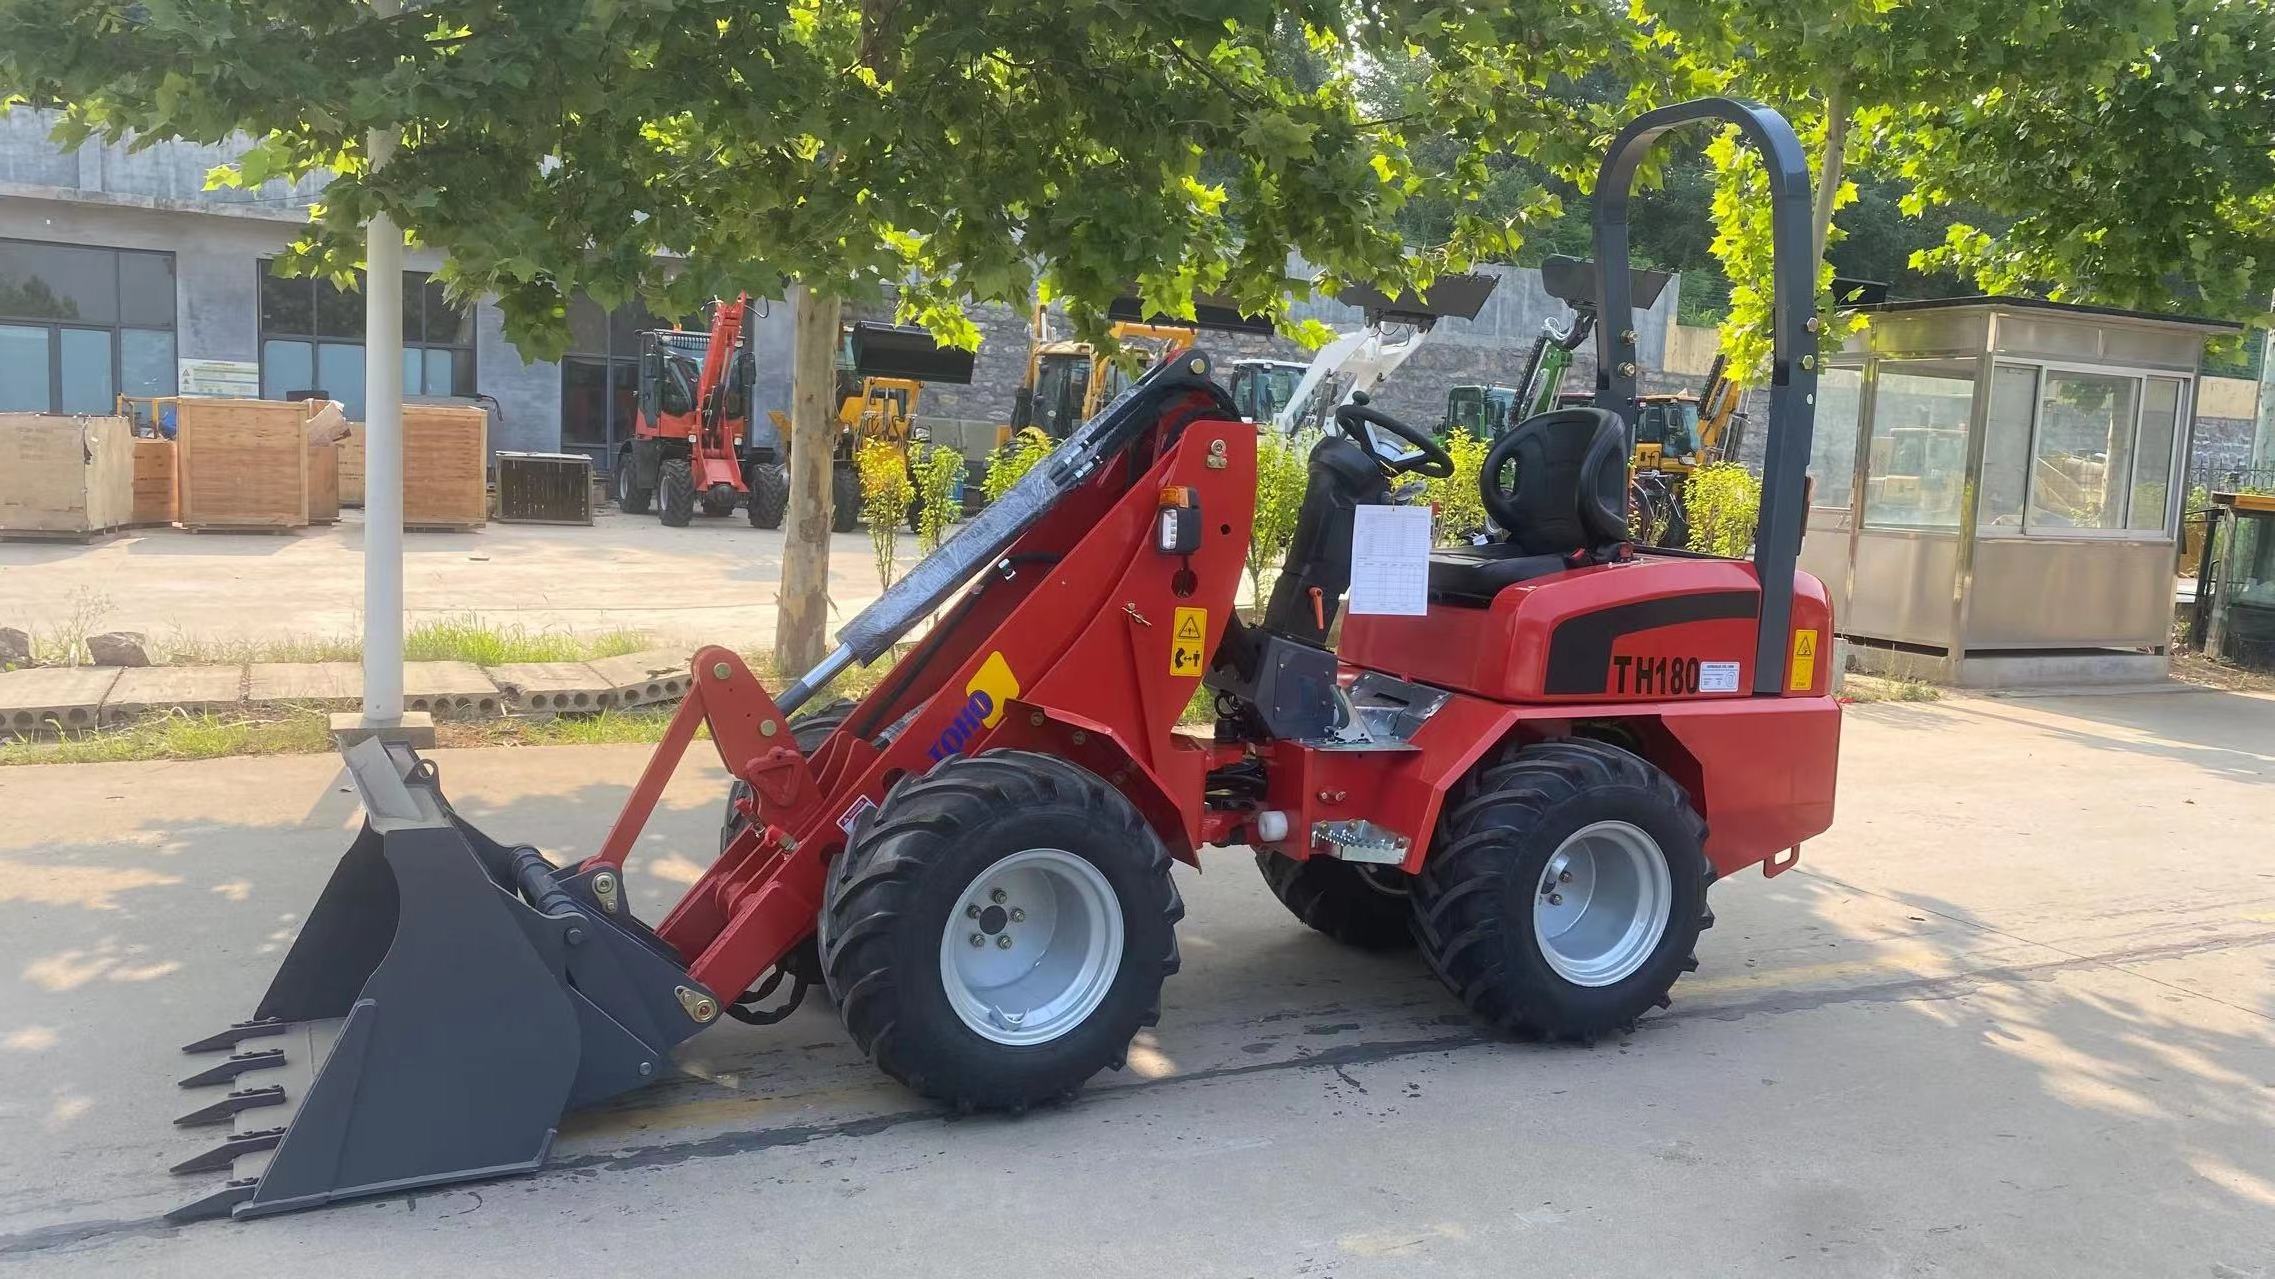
(1032, 947)
(1602, 904)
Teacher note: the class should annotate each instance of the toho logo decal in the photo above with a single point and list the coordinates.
(991, 687)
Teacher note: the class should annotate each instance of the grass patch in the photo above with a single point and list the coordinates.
(460, 638)
(1866, 689)
(307, 730)
(185, 650)
(180, 735)
(2211, 672)
(470, 639)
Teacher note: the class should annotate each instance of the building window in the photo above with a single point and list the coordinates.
(1918, 450)
(312, 340)
(81, 326)
(1832, 446)
(2006, 448)
(600, 377)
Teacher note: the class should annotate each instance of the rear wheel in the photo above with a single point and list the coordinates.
(630, 497)
(844, 498)
(1566, 890)
(769, 494)
(675, 485)
(719, 501)
(999, 930)
(1362, 906)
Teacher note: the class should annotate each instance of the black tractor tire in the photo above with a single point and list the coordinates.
(807, 731)
(1474, 898)
(630, 497)
(769, 494)
(844, 498)
(913, 860)
(675, 487)
(719, 501)
(1362, 906)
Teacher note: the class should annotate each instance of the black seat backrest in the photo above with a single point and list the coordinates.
(1557, 483)
(1342, 478)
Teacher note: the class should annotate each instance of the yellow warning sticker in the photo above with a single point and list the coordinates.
(1189, 642)
(1804, 662)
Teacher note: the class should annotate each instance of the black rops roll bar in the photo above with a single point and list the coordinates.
(1793, 356)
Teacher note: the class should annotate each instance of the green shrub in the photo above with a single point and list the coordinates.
(1013, 460)
(1281, 470)
(1724, 503)
(937, 468)
(1459, 504)
(885, 495)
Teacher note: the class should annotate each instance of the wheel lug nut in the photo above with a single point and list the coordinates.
(978, 940)
(997, 896)
(1018, 916)
(1003, 941)
(972, 911)
(1556, 899)
(1564, 878)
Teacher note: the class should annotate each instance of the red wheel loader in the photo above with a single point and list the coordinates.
(1533, 782)
(693, 413)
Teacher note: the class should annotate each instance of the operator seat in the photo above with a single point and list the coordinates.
(1566, 506)
(1309, 592)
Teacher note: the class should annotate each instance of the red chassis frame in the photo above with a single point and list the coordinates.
(1080, 643)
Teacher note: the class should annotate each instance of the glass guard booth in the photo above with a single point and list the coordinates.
(1996, 489)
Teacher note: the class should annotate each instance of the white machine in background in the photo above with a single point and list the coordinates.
(1357, 361)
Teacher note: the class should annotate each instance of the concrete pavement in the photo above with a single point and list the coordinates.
(711, 582)
(2012, 1015)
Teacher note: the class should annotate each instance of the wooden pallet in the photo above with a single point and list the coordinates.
(69, 537)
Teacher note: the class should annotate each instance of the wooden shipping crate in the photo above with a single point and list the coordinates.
(446, 460)
(351, 466)
(153, 482)
(446, 466)
(240, 464)
(66, 477)
(324, 483)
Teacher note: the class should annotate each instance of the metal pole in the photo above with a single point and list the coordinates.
(382, 450)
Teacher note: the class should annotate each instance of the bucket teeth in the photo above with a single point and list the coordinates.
(224, 1156)
(222, 1111)
(222, 1072)
(236, 1034)
(218, 1204)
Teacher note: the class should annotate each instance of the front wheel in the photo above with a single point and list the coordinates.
(1565, 891)
(675, 484)
(769, 494)
(999, 930)
(630, 497)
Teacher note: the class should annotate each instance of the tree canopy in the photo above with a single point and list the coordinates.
(682, 149)
(2104, 150)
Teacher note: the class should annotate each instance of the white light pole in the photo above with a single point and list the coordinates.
(382, 451)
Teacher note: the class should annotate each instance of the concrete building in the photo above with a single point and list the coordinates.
(121, 273)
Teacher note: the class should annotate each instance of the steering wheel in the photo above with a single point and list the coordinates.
(1432, 460)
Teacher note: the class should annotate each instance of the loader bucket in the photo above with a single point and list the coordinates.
(448, 998)
(905, 351)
